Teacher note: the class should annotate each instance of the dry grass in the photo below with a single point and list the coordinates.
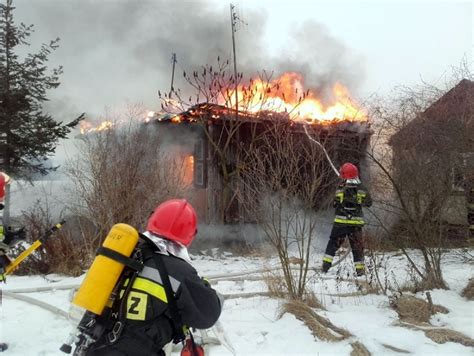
(468, 292)
(359, 349)
(415, 313)
(396, 349)
(442, 336)
(415, 310)
(275, 284)
(312, 301)
(320, 327)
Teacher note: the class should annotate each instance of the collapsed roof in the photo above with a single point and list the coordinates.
(216, 114)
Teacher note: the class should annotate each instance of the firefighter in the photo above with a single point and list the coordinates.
(350, 197)
(151, 320)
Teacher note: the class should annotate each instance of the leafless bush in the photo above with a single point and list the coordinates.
(122, 174)
(379, 254)
(466, 254)
(275, 284)
(284, 180)
(63, 252)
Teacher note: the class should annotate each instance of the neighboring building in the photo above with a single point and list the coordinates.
(189, 134)
(439, 143)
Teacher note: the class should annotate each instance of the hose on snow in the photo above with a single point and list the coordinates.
(34, 301)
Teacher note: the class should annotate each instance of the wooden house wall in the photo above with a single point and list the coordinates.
(205, 193)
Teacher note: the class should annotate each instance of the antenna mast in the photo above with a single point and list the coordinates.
(233, 22)
(173, 59)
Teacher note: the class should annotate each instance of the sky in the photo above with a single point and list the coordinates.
(117, 52)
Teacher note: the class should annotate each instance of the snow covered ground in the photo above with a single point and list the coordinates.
(252, 324)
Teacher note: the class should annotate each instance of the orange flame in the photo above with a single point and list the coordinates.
(87, 126)
(287, 94)
(188, 170)
(176, 119)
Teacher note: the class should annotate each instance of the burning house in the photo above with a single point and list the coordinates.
(214, 141)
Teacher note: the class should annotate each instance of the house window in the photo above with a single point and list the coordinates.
(200, 164)
(459, 171)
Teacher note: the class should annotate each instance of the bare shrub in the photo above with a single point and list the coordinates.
(61, 253)
(285, 180)
(468, 291)
(379, 270)
(122, 174)
(275, 284)
(466, 254)
(320, 327)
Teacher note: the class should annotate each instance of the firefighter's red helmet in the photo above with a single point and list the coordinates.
(349, 171)
(174, 220)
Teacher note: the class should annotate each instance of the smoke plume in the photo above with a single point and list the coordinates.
(119, 51)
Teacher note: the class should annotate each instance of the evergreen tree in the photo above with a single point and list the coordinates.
(28, 136)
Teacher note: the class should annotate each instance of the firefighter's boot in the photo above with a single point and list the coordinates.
(326, 266)
(360, 268)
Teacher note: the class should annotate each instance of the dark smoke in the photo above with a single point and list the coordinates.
(118, 51)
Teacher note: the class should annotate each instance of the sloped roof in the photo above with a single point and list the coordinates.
(217, 113)
(450, 117)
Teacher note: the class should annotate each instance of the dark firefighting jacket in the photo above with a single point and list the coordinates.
(148, 325)
(348, 202)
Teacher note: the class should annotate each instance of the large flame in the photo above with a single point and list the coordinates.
(287, 94)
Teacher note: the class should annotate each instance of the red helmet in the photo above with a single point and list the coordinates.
(174, 220)
(349, 171)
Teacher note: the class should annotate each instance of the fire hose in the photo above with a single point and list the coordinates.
(324, 150)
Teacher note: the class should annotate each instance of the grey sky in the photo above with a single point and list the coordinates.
(114, 51)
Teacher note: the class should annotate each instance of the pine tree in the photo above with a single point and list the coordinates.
(28, 136)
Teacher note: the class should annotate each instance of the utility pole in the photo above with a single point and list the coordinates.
(233, 22)
(173, 59)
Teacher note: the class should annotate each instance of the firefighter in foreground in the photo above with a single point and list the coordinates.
(350, 197)
(153, 316)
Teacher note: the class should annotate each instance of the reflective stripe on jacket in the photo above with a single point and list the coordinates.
(348, 202)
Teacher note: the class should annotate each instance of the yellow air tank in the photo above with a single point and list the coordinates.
(104, 272)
